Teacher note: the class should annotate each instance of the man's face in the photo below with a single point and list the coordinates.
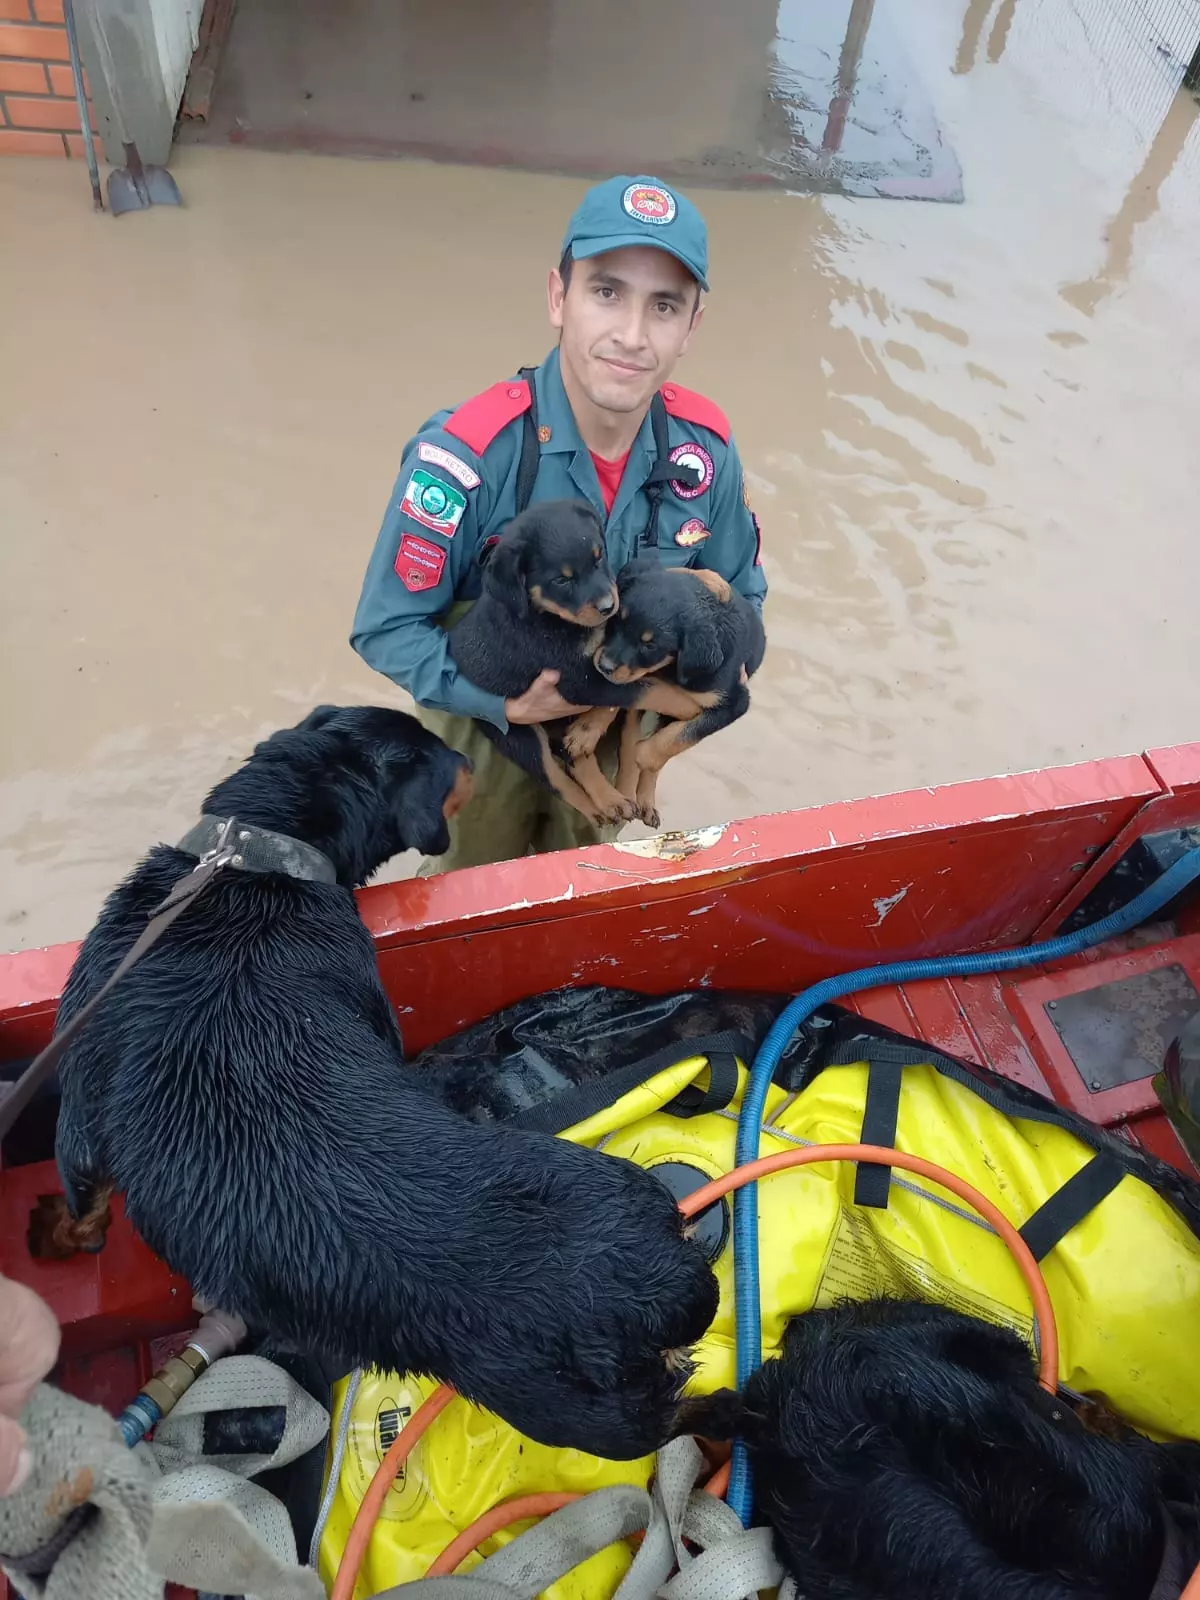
(624, 321)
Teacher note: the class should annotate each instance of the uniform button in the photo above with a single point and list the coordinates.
(668, 394)
(514, 393)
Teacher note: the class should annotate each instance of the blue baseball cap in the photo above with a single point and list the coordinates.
(645, 211)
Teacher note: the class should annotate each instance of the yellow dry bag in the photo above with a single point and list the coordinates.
(1121, 1265)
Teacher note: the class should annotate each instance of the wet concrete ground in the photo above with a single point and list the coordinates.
(968, 432)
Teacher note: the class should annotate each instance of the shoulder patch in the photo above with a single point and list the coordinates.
(437, 457)
(477, 422)
(689, 406)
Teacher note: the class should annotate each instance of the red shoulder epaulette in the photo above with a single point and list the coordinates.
(477, 422)
(689, 406)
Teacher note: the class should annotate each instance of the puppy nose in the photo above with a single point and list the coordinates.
(606, 663)
(607, 605)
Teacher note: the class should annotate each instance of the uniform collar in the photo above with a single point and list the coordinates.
(554, 412)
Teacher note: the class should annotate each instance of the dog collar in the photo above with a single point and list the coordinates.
(259, 850)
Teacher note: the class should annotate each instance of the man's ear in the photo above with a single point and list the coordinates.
(697, 319)
(556, 293)
(504, 575)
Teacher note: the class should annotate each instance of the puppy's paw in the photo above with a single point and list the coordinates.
(625, 811)
(648, 814)
(580, 740)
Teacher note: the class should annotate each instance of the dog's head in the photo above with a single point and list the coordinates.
(666, 617)
(551, 559)
(902, 1449)
(603, 1296)
(360, 783)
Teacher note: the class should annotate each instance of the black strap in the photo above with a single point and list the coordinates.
(722, 1086)
(163, 915)
(531, 447)
(880, 1116)
(663, 471)
(1077, 1198)
(585, 1099)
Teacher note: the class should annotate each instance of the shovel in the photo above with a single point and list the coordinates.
(134, 186)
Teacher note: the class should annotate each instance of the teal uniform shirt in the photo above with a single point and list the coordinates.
(457, 489)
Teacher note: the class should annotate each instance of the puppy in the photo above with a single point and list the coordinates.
(244, 1086)
(547, 592)
(902, 1451)
(704, 636)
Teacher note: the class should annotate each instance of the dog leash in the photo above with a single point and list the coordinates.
(187, 890)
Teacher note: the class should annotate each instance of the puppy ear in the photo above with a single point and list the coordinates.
(720, 1415)
(699, 654)
(504, 574)
(317, 718)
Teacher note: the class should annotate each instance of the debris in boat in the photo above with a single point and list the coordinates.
(673, 846)
(887, 904)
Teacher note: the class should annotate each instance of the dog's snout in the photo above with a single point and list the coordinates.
(605, 664)
(607, 604)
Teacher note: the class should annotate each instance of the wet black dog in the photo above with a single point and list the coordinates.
(904, 1451)
(705, 637)
(548, 591)
(245, 1087)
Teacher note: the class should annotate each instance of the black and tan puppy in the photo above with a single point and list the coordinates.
(547, 592)
(904, 1452)
(245, 1087)
(704, 636)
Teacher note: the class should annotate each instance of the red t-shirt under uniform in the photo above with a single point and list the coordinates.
(609, 473)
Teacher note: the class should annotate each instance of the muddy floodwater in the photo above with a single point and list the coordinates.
(969, 433)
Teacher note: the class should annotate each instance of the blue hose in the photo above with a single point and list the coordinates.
(745, 1201)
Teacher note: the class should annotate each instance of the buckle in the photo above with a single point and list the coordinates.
(222, 852)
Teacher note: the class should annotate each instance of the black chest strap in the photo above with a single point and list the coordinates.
(661, 473)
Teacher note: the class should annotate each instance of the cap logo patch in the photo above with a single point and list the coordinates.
(649, 203)
(698, 459)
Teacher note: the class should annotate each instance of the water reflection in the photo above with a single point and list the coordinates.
(1139, 205)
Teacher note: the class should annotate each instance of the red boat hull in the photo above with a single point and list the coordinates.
(772, 903)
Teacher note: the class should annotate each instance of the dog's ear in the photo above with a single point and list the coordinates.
(719, 1416)
(699, 654)
(421, 799)
(505, 572)
(317, 718)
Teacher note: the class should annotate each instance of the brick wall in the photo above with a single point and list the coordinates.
(38, 115)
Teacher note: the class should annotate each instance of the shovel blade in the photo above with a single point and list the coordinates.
(135, 191)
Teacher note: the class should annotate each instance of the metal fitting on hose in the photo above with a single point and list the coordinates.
(217, 1335)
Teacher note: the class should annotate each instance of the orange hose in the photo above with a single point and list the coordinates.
(367, 1515)
(501, 1516)
(700, 1200)
(874, 1155)
(520, 1510)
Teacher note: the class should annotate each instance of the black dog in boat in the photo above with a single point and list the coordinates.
(244, 1086)
(905, 1452)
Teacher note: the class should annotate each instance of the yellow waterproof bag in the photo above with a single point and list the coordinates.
(1121, 1264)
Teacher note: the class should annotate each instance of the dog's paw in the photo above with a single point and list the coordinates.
(624, 811)
(580, 740)
(649, 815)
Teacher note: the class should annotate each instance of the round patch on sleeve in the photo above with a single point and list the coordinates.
(697, 457)
(649, 202)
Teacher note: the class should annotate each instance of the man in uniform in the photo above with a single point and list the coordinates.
(599, 420)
